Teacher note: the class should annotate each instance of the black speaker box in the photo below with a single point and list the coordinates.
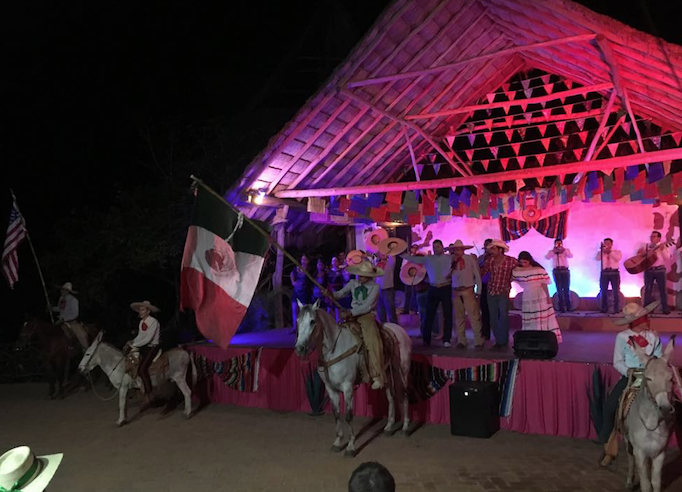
(534, 344)
(474, 409)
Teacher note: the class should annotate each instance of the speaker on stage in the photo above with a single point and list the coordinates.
(534, 344)
(474, 409)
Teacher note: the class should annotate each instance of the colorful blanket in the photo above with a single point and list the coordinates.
(427, 380)
(239, 373)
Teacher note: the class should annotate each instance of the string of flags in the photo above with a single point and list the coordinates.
(431, 206)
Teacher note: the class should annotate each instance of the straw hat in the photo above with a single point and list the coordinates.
(69, 287)
(500, 244)
(412, 273)
(23, 471)
(392, 246)
(135, 306)
(460, 244)
(373, 239)
(634, 311)
(365, 269)
(355, 257)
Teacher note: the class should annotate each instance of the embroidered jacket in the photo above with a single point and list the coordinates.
(624, 356)
(68, 307)
(148, 333)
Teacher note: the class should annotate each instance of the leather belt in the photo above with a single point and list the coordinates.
(610, 270)
(654, 269)
(561, 268)
(470, 287)
(438, 286)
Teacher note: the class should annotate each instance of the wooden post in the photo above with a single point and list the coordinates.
(277, 279)
(575, 167)
(412, 157)
(600, 130)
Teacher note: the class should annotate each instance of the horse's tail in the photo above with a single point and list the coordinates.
(404, 352)
(193, 369)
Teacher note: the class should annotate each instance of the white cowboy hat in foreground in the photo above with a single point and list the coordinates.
(365, 269)
(23, 471)
(460, 244)
(135, 306)
(634, 311)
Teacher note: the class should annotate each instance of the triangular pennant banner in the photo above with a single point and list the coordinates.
(545, 79)
(504, 163)
(522, 132)
(489, 124)
(509, 120)
(626, 127)
(450, 140)
(541, 159)
(582, 136)
(436, 168)
(528, 93)
(485, 163)
(471, 138)
(490, 97)
(487, 136)
(613, 148)
(656, 141)
(470, 126)
(564, 140)
(525, 83)
(633, 144)
(509, 134)
(511, 95)
(432, 158)
(420, 168)
(469, 153)
(547, 113)
(560, 125)
(568, 109)
(543, 129)
(494, 151)
(521, 160)
(515, 147)
(676, 137)
(581, 123)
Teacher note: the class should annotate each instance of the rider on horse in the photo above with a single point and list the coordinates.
(68, 315)
(364, 296)
(147, 342)
(626, 361)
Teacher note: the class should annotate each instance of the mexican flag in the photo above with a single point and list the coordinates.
(220, 267)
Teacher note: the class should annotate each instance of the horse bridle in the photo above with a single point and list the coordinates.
(115, 365)
(651, 398)
(317, 337)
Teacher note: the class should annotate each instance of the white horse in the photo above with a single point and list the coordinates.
(650, 420)
(112, 362)
(341, 364)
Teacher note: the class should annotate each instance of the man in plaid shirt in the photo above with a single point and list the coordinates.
(500, 267)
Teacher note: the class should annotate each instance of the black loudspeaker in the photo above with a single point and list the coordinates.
(535, 344)
(474, 409)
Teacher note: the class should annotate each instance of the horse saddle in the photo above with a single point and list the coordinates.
(159, 364)
(388, 347)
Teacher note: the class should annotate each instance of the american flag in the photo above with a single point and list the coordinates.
(16, 232)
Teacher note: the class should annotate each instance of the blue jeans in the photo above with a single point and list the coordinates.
(562, 279)
(386, 306)
(422, 303)
(498, 307)
(436, 296)
(658, 276)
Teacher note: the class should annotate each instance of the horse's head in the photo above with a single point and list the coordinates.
(91, 358)
(28, 330)
(306, 327)
(659, 377)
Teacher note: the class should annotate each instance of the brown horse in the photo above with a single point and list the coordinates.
(58, 351)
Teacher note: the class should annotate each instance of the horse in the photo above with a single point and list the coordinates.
(341, 365)
(57, 350)
(650, 420)
(112, 362)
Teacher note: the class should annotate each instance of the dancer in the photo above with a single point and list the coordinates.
(537, 310)
(500, 267)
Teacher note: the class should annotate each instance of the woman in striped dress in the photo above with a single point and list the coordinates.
(538, 311)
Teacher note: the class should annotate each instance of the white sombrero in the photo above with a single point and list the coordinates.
(500, 244)
(460, 244)
(373, 239)
(355, 257)
(68, 286)
(634, 311)
(365, 269)
(21, 470)
(412, 273)
(135, 306)
(392, 246)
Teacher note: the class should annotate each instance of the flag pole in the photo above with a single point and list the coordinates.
(35, 257)
(265, 233)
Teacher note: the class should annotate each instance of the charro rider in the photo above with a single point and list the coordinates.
(364, 296)
(147, 342)
(626, 362)
(68, 310)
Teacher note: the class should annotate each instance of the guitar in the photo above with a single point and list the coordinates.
(643, 261)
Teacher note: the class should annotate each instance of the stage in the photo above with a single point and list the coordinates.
(548, 397)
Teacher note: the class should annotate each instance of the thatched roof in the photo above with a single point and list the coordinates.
(429, 56)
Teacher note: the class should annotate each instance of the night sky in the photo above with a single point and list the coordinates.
(82, 80)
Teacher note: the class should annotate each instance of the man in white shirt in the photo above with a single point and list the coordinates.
(147, 342)
(625, 359)
(610, 273)
(364, 292)
(386, 305)
(562, 275)
(438, 267)
(656, 272)
(466, 276)
(68, 309)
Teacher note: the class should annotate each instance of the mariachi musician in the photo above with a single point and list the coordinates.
(656, 255)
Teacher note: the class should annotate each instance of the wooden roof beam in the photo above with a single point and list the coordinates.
(517, 102)
(450, 66)
(576, 167)
(427, 137)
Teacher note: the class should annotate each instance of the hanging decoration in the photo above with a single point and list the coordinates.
(554, 227)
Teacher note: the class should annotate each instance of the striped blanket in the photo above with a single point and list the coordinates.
(239, 373)
(427, 380)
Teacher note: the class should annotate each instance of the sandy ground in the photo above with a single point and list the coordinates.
(240, 449)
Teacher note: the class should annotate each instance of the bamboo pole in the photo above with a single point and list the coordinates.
(35, 258)
(576, 167)
(264, 233)
(279, 272)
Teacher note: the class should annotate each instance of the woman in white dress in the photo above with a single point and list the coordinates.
(538, 311)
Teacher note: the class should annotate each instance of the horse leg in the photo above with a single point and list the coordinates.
(187, 393)
(656, 468)
(122, 402)
(335, 398)
(405, 404)
(348, 401)
(642, 470)
(50, 373)
(391, 412)
(630, 479)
